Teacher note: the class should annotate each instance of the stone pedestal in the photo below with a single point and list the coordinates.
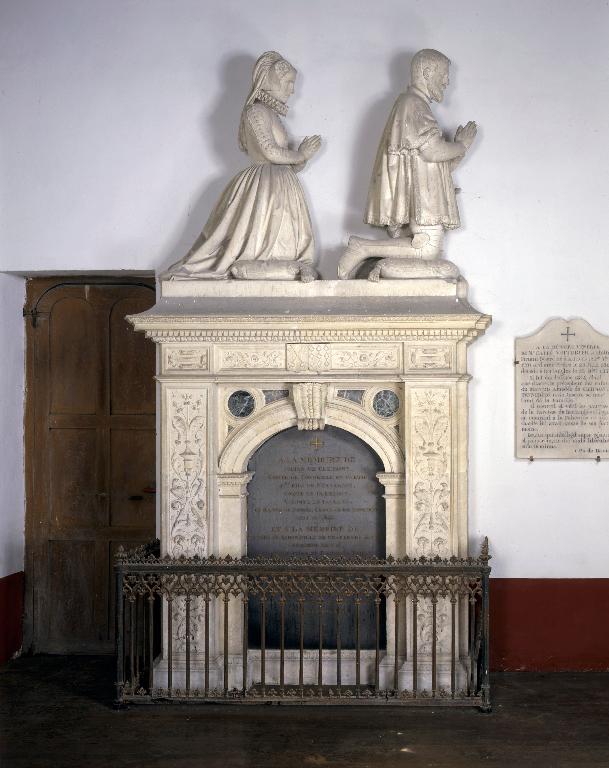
(308, 355)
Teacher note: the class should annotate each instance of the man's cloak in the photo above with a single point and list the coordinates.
(403, 185)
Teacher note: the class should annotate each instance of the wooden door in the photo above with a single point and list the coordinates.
(90, 455)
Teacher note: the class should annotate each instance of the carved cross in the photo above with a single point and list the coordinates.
(316, 443)
(568, 333)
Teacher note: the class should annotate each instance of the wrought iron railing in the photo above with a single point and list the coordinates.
(303, 630)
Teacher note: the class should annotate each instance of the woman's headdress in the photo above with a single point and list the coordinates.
(271, 60)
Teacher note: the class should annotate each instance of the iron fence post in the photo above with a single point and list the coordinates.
(485, 688)
(119, 635)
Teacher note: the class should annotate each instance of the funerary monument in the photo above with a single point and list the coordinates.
(306, 416)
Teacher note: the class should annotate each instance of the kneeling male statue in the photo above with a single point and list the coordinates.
(411, 185)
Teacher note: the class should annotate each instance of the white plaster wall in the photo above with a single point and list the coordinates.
(119, 128)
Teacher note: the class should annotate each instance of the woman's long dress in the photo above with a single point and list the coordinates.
(262, 214)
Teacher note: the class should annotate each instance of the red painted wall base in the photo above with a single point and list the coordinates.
(545, 625)
(549, 625)
(11, 615)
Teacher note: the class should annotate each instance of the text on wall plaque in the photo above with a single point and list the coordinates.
(562, 392)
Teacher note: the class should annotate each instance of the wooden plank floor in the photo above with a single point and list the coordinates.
(55, 711)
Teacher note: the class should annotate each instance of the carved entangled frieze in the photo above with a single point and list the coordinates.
(327, 357)
(362, 358)
(423, 358)
(252, 358)
(186, 504)
(310, 401)
(308, 357)
(431, 470)
(186, 359)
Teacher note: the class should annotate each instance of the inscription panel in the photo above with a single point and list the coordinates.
(562, 392)
(314, 493)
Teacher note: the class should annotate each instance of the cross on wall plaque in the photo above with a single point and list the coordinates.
(568, 333)
(316, 443)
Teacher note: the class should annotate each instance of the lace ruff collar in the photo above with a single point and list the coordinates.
(272, 102)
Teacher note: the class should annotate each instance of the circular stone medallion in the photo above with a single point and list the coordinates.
(386, 403)
(241, 403)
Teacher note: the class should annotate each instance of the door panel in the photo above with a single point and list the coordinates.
(90, 456)
(132, 478)
(73, 368)
(73, 478)
(72, 576)
(132, 358)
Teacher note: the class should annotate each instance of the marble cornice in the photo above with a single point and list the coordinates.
(307, 329)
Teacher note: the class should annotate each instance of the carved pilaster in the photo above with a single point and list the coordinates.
(430, 467)
(184, 502)
(186, 431)
(429, 429)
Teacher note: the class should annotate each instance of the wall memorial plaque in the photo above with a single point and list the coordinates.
(562, 392)
(314, 493)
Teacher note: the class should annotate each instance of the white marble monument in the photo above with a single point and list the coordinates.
(287, 354)
(241, 360)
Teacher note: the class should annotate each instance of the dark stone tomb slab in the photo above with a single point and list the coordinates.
(315, 493)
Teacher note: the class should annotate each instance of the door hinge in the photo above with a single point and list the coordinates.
(33, 313)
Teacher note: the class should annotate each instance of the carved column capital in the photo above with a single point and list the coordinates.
(394, 482)
(234, 484)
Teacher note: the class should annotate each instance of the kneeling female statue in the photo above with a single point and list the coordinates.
(260, 227)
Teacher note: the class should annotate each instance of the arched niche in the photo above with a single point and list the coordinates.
(281, 416)
(315, 493)
(233, 475)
